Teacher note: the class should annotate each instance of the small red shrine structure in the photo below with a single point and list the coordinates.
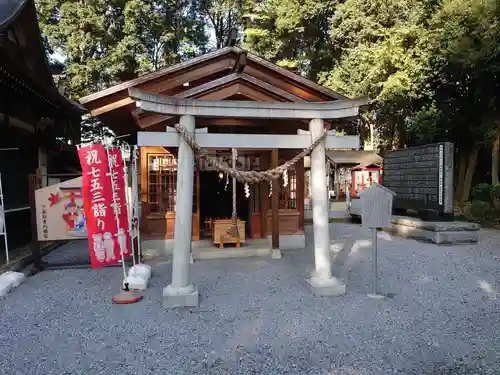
(364, 176)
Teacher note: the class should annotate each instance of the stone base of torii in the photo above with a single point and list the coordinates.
(181, 292)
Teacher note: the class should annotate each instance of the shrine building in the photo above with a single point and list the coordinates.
(232, 99)
(39, 126)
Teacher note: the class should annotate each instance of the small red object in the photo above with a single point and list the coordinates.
(126, 297)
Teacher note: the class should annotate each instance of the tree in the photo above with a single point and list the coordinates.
(106, 42)
(292, 33)
(465, 57)
(221, 16)
(384, 56)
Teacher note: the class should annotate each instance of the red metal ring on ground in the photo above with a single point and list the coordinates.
(126, 297)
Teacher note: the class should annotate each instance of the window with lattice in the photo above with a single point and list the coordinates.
(162, 182)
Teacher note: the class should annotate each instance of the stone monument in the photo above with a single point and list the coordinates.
(422, 178)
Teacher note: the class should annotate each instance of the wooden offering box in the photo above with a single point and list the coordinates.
(220, 235)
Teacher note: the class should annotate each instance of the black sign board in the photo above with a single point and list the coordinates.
(421, 177)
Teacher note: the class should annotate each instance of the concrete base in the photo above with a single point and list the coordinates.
(252, 247)
(216, 253)
(440, 233)
(180, 297)
(275, 254)
(326, 288)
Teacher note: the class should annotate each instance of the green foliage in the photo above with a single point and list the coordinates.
(482, 192)
(292, 33)
(430, 68)
(221, 16)
(495, 192)
(480, 210)
(106, 42)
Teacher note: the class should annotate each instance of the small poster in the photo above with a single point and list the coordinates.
(59, 211)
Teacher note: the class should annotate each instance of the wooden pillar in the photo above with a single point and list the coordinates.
(275, 203)
(264, 195)
(300, 191)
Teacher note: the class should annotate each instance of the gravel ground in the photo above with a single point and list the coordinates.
(257, 317)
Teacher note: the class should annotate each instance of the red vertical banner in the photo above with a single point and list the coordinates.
(97, 205)
(120, 198)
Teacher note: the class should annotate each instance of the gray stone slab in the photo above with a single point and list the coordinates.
(435, 226)
(226, 253)
(437, 237)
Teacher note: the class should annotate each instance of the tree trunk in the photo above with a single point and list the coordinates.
(469, 174)
(495, 155)
(401, 129)
(460, 177)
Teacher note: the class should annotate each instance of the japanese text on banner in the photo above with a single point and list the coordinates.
(97, 200)
(119, 203)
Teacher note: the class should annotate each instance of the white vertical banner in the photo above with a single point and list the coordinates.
(135, 196)
(441, 174)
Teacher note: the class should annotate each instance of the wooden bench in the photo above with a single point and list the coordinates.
(220, 233)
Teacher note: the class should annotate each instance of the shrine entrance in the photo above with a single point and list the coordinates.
(230, 99)
(216, 202)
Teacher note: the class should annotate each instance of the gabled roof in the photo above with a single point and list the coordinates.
(200, 60)
(9, 9)
(229, 73)
(21, 15)
(361, 158)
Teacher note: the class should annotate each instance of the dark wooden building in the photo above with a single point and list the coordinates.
(38, 126)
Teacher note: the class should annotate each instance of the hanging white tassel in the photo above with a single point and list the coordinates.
(270, 188)
(227, 182)
(247, 190)
(285, 178)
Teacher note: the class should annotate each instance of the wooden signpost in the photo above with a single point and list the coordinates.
(376, 212)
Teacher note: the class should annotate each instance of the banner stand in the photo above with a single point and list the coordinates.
(125, 296)
(140, 273)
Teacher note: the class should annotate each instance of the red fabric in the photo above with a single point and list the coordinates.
(97, 204)
(115, 155)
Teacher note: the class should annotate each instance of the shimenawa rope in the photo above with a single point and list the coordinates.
(250, 177)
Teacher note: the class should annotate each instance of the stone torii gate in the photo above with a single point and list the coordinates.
(181, 292)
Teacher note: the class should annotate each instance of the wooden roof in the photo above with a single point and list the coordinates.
(23, 61)
(358, 157)
(228, 73)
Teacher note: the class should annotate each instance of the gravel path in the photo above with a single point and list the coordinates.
(257, 317)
